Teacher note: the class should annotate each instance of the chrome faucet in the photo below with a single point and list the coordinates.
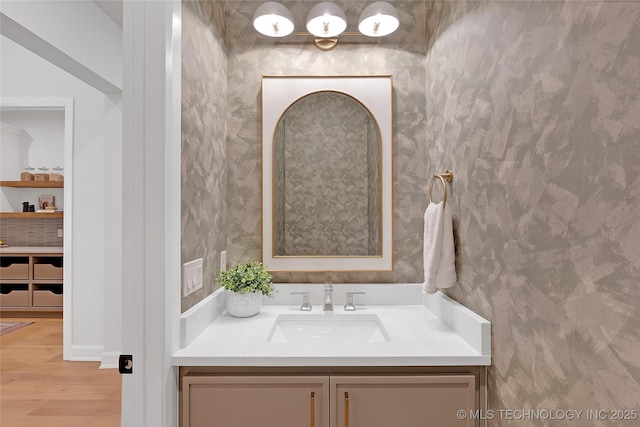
(328, 296)
(350, 306)
(306, 306)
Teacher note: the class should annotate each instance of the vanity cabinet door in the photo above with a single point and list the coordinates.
(256, 401)
(402, 401)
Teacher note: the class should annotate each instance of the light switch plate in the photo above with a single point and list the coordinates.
(60, 232)
(191, 276)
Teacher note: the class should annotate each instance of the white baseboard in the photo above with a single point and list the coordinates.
(110, 360)
(86, 353)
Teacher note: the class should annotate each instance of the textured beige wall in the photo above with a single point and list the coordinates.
(536, 107)
(204, 159)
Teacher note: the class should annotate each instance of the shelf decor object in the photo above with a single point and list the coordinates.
(46, 201)
(27, 174)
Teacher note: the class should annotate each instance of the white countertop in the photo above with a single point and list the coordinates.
(31, 249)
(417, 338)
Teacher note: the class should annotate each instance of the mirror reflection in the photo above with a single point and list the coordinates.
(327, 178)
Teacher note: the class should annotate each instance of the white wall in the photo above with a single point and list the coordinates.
(79, 29)
(10, 149)
(42, 138)
(113, 231)
(24, 74)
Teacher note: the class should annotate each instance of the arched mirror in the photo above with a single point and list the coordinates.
(327, 173)
(326, 192)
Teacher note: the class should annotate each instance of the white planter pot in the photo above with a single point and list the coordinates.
(243, 305)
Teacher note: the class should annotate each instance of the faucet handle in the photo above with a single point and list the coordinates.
(306, 306)
(349, 306)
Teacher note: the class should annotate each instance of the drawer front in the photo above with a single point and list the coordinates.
(383, 401)
(15, 299)
(15, 271)
(46, 271)
(46, 298)
(267, 401)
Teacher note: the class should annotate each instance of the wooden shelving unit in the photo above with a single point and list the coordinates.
(31, 281)
(30, 215)
(32, 184)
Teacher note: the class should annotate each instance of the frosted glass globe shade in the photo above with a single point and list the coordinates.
(273, 19)
(326, 20)
(378, 19)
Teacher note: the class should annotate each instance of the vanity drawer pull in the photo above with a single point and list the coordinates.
(313, 409)
(346, 409)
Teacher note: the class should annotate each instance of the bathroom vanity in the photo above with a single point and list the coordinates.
(391, 362)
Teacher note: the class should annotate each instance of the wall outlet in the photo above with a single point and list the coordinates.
(223, 261)
(60, 232)
(191, 276)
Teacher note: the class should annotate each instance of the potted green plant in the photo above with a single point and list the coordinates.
(246, 284)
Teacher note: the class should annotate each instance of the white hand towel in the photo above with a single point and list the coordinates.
(439, 250)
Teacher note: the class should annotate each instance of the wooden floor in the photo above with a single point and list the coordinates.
(38, 388)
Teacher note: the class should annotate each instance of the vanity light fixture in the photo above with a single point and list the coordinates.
(273, 20)
(326, 21)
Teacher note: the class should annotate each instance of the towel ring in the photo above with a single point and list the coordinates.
(444, 178)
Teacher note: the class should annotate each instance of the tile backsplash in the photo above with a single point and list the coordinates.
(31, 232)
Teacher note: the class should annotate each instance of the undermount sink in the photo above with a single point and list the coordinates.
(328, 328)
